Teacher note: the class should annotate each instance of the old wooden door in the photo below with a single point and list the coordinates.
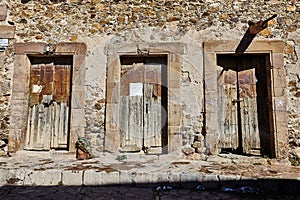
(141, 113)
(238, 111)
(48, 116)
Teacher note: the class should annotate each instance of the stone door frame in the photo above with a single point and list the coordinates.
(278, 113)
(173, 51)
(20, 90)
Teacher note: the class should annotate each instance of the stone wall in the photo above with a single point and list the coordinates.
(100, 23)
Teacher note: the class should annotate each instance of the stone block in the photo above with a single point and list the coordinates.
(212, 142)
(276, 46)
(175, 115)
(112, 116)
(113, 71)
(175, 67)
(77, 117)
(21, 65)
(78, 99)
(19, 86)
(280, 104)
(189, 177)
(169, 177)
(210, 62)
(92, 177)
(3, 12)
(14, 140)
(172, 47)
(79, 75)
(72, 177)
(77, 48)
(279, 81)
(30, 47)
(220, 45)
(212, 121)
(7, 31)
(174, 75)
(175, 58)
(18, 121)
(44, 178)
(4, 176)
(145, 178)
(174, 95)
(225, 178)
(175, 138)
(2, 57)
(126, 177)
(112, 140)
(211, 81)
(278, 60)
(174, 84)
(113, 92)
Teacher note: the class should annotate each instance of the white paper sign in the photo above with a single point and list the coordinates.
(136, 89)
(3, 44)
(37, 88)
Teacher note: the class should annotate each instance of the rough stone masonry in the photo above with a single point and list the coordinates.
(101, 24)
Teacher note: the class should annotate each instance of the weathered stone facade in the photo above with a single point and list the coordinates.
(110, 29)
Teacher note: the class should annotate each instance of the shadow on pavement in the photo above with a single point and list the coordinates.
(231, 190)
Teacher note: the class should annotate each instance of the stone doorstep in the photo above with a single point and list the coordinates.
(3, 12)
(89, 177)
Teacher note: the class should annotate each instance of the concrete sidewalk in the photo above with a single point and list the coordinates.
(52, 168)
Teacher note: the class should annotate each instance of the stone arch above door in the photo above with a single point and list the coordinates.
(278, 112)
(173, 51)
(20, 89)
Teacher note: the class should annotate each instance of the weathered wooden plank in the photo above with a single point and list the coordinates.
(66, 128)
(38, 142)
(135, 121)
(28, 132)
(56, 125)
(124, 114)
(34, 125)
(47, 128)
(61, 123)
(245, 125)
(63, 129)
(158, 121)
(53, 114)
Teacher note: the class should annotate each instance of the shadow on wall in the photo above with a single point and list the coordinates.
(243, 189)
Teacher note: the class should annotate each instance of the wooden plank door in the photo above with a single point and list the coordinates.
(140, 107)
(48, 116)
(154, 114)
(229, 106)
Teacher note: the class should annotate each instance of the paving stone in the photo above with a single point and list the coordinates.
(91, 177)
(48, 177)
(72, 177)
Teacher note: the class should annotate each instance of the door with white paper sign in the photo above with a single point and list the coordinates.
(142, 115)
(48, 116)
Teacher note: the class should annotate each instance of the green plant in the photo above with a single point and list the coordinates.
(121, 158)
(294, 161)
(84, 143)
